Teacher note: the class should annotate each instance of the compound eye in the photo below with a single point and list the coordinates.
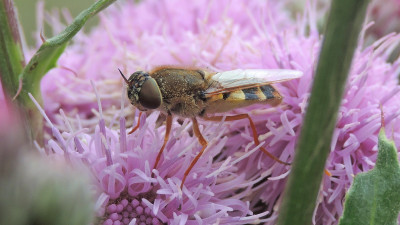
(150, 95)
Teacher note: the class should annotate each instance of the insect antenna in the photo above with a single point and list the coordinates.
(123, 76)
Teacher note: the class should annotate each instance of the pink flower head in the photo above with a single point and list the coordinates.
(129, 193)
(233, 180)
(215, 35)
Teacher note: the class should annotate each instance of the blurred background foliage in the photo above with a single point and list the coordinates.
(27, 13)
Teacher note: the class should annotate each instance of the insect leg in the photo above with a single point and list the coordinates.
(253, 128)
(166, 138)
(203, 143)
(137, 125)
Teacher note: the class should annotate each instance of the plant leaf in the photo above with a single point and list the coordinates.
(45, 59)
(374, 197)
(49, 52)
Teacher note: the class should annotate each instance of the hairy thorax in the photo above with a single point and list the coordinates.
(182, 91)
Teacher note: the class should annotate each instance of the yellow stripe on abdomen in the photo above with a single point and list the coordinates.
(214, 98)
(234, 96)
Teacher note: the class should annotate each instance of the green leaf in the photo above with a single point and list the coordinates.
(374, 197)
(49, 52)
(45, 59)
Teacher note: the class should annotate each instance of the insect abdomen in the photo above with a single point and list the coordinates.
(262, 93)
(243, 97)
(266, 92)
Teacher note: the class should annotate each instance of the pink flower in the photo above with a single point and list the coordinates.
(372, 83)
(233, 180)
(9, 118)
(385, 16)
(215, 35)
(126, 190)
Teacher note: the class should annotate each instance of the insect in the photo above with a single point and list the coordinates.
(197, 93)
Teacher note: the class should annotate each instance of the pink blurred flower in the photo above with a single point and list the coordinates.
(9, 118)
(218, 35)
(386, 17)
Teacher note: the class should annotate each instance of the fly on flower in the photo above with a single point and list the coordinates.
(192, 93)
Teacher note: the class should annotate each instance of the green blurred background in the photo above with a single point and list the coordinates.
(27, 14)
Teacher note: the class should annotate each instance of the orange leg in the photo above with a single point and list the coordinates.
(253, 128)
(137, 125)
(203, 143)
(166, 138)
(329, 174)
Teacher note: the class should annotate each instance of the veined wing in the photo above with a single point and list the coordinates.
(228, 81)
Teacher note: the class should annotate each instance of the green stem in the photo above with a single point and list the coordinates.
(342, 31)
(44, 60)
(12, 59)
(11, 54)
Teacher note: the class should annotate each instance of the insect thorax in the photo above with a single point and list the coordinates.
(182, 91)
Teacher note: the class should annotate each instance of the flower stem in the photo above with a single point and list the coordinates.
(12, 59)
(341, 35)
(44, 60)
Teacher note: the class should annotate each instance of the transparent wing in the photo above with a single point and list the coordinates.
(246, 78)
